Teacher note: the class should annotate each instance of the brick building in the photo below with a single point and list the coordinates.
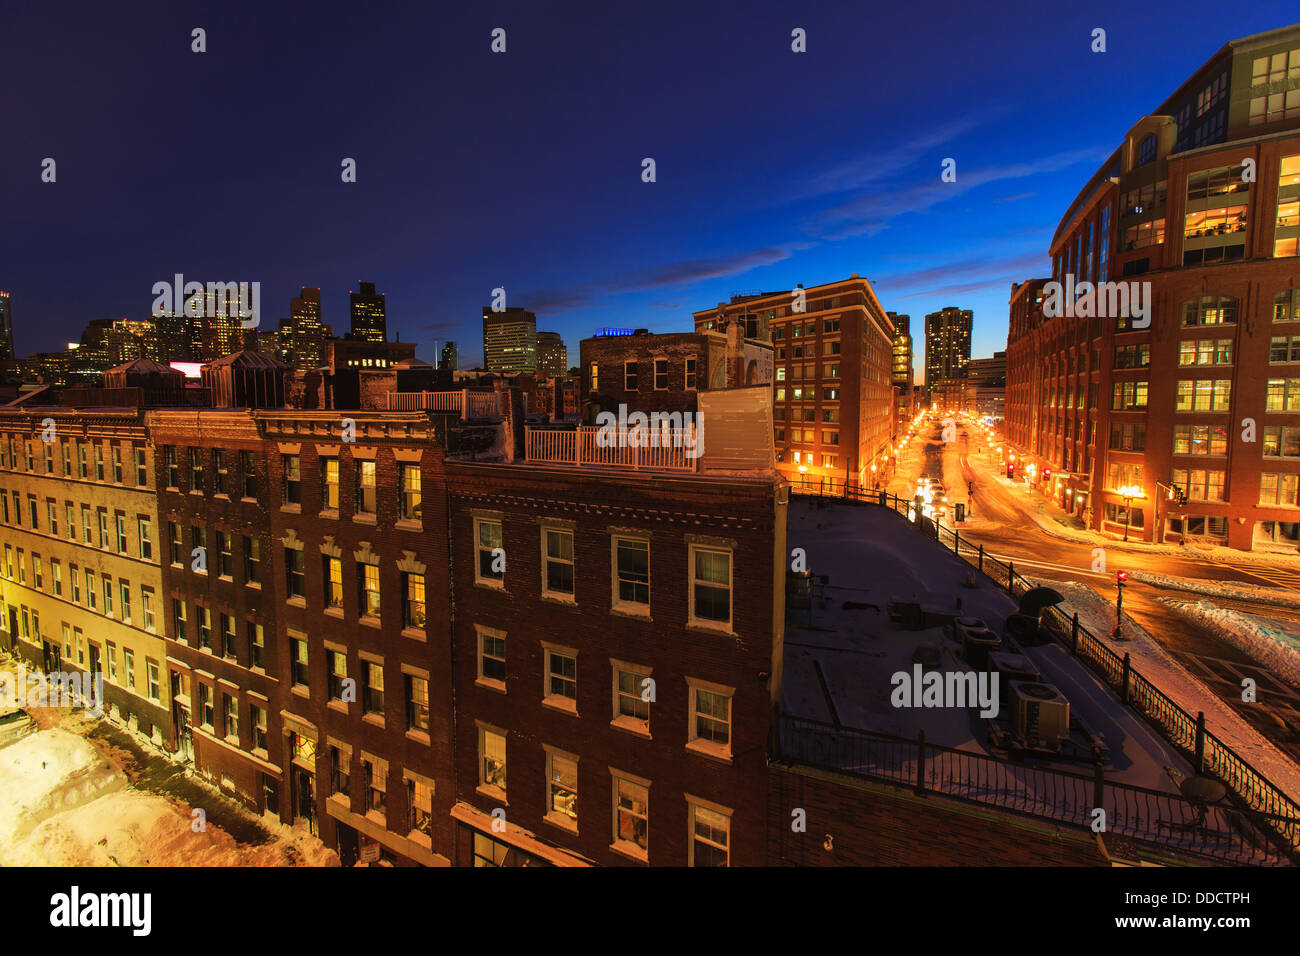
(82, 588)
(835, 416)
(1195, 215)
(666, 372)
(220, 601)
(615, 683)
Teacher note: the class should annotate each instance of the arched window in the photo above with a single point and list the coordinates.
(1147, 149)
(1210, 310)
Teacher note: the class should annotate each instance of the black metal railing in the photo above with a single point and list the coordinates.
(1222, 833)
(1251, 791)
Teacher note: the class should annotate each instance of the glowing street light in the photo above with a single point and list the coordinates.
(1129, 493)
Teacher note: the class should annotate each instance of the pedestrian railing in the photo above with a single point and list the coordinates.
(1251, 790)
(1221, 833)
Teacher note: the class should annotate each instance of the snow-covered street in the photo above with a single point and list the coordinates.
(81, 792)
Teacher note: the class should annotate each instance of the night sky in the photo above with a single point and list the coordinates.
(476, 169)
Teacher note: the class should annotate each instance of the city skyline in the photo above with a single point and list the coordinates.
(847, 206)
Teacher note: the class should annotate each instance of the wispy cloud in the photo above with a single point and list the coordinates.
(874, 167)
(1016, 198)
(870, 214)
(684, 272)
(1019, 265)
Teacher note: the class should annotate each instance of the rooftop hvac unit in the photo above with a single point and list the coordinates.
(977, 641)
(1042, 713)
(1011, 666)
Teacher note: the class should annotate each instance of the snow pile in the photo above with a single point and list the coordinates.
(1278, 597)
(131, 828)
(45, 774)
(1277, 649)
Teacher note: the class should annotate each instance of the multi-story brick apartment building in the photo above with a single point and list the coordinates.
(618, 651)
(82, 586)
(834, 412)
(221, 601)
(666, 372)
(358, 525)
(1197, 211)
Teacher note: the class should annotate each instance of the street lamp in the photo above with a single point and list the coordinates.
(1129, 493)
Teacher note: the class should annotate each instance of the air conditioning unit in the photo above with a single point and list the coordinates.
(977, 641)
(1041, 713)
(1011, 666)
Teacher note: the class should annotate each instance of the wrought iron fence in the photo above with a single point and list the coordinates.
(1252, 792)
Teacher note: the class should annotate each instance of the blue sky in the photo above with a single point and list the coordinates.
(523, 169)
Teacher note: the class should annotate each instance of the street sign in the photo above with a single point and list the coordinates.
(370, 853)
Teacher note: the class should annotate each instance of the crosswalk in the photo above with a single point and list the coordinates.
(1281, 577)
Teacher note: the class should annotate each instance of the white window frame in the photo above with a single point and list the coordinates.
(559, 701)
(691, 581)
(559, 818)
(568, 597)
(701, 745)
(483, 680)
(616, 601)
(696, 803)
(479, 520)
(491, 789)
(617, 844)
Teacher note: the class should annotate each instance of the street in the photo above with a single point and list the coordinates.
(1001, 521)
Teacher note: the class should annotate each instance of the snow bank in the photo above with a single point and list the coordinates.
(132, 828)
(1278, 597)
(47, 773)
(1273, 646)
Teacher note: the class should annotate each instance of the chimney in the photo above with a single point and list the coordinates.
(736, 354)
(510, 402)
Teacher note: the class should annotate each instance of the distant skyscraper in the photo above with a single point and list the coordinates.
(902, 369)
(369, 316)
(6, 329)
(947, 344)
(552, 356)
(509, 341)
(450, 359)
(308, 331)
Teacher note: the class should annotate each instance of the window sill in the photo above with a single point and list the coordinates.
(331, 513)
(409, 524)
(369, 620)
(492, 793)
(711, 627)
(640, 612)
(300, 691)
(416, 634)
(296, 601)
(631, 851)
(335, 612)
(340, 706)
(221, 496)
(373, 719)
(490, 583)
(422, 839)
(261, 752)
(253, 584)
(562, 821)
(295, 509)
(565, 599)
(419, 737)
(631, 725)
(488, 683)
(378, 816)
(365, 517)
(564, 705)
(712, 751)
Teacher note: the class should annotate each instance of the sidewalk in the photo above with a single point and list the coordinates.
(1050, 517)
